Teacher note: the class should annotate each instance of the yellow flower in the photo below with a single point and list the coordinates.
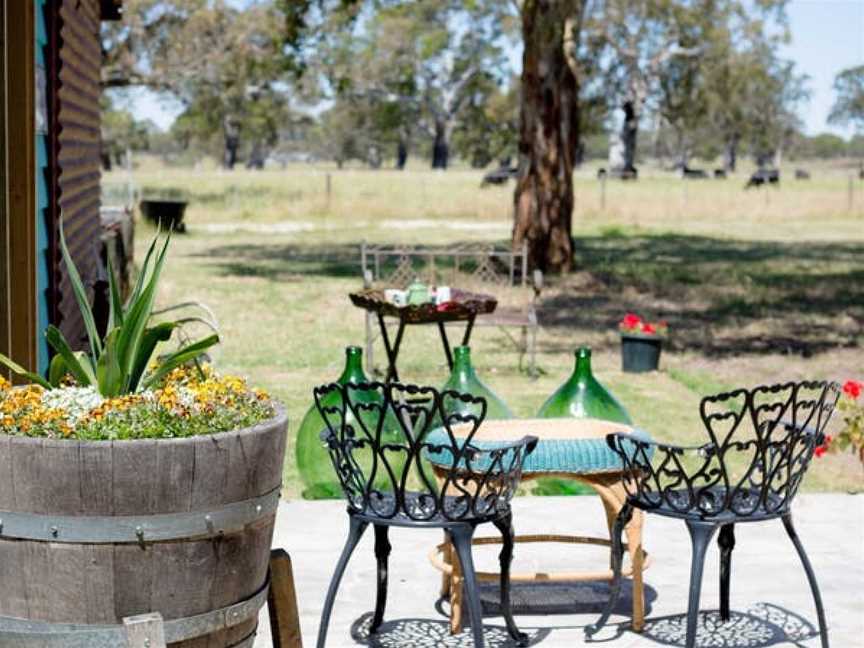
(4, 384)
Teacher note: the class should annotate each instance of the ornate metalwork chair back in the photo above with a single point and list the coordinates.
(761, 443)
(377, 439)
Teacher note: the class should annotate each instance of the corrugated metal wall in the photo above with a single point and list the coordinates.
(76, 137)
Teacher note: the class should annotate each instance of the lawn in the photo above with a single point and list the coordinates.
(757, 286)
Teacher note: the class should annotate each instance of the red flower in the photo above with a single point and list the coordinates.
(820, 450)
(852, 388)
(647, 327)
(631, 321)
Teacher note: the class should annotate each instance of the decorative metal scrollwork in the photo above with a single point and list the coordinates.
(761, 442)
(376, 436)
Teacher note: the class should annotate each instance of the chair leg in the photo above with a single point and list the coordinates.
(811, 578)
(726, 542)
(621, 521)
(461, 537)
(355, 532)
(700, 537)
(382, 553)
(505, 558)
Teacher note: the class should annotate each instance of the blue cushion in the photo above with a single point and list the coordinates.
(550, 455)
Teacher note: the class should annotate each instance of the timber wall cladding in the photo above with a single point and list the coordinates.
(77, 133)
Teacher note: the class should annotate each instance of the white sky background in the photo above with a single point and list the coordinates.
(827, 36)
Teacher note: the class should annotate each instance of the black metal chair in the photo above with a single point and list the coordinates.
(761, 443)
(386, 482)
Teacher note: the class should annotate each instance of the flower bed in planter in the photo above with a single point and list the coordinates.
(132, 482)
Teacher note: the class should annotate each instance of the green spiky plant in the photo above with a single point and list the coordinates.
(121, 362)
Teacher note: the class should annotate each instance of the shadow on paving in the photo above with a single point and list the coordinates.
(720, 296)
(762, 626)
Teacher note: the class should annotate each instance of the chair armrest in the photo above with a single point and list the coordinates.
(614, 439)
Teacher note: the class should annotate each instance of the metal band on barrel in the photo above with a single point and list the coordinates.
(137, 528)
(24, 633)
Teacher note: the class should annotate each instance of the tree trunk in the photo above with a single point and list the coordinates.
(440, 147)
(548, 136)
(629, 132)
(730, 155)
(232, 142)
(401, 155)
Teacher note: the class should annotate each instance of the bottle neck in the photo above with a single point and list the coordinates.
(462, 367)
(353, 371)
(582, 371)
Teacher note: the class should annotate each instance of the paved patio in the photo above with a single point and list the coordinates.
(771, 601)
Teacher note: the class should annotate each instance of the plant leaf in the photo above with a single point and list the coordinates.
(108, 372)
(115, 310)
(152, 336)
(78, 364)
(179, 357)
(21, 371)
(56, 370)
(81, 297)
(142, 275)
(129, 342)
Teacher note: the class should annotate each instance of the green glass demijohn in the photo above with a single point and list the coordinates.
(313, 458)
(582, 396)
(463, 379)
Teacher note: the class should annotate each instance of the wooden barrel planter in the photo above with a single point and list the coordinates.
(166, 213)
(95, 531)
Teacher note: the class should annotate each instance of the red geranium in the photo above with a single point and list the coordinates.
(632, 323)
(853, 388)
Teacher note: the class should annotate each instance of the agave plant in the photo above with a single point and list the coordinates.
(121, 362)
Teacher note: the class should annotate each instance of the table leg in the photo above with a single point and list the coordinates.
(392, 352)
(446, 343)
(614, 496)
(468, 328)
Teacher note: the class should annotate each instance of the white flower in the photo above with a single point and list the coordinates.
(75, 401)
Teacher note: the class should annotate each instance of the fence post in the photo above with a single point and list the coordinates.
(603, 192)
(145, 631)
(282, 602)
(850, 193)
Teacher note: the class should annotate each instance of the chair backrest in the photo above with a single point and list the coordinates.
(762, 441)
(463, 265)
(376, 435)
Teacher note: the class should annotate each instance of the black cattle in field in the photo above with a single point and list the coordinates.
(498, 176)
(621, 173)
(763, 176)
(601, 173)
(720, 174)
(802, 174)
(693, 174)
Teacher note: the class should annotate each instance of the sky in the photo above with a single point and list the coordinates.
(827, 36)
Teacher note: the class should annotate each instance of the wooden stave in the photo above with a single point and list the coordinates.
(88, 583)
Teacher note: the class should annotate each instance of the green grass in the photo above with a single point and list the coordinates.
(753, 291)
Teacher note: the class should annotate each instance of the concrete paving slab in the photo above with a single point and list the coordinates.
(771, 601)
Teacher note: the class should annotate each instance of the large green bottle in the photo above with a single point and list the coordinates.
(313, 459)
(582, 396)
(464, 380)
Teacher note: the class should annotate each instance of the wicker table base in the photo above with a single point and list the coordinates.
(606, 483)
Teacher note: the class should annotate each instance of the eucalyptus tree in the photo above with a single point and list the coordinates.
(222, 63)
(848, 108)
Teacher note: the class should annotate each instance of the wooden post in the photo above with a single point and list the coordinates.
(850, 194)
(282, 602)
(603, 192)
(145, 631)
(329, 190)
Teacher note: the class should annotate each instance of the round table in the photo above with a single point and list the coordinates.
(567, 448)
